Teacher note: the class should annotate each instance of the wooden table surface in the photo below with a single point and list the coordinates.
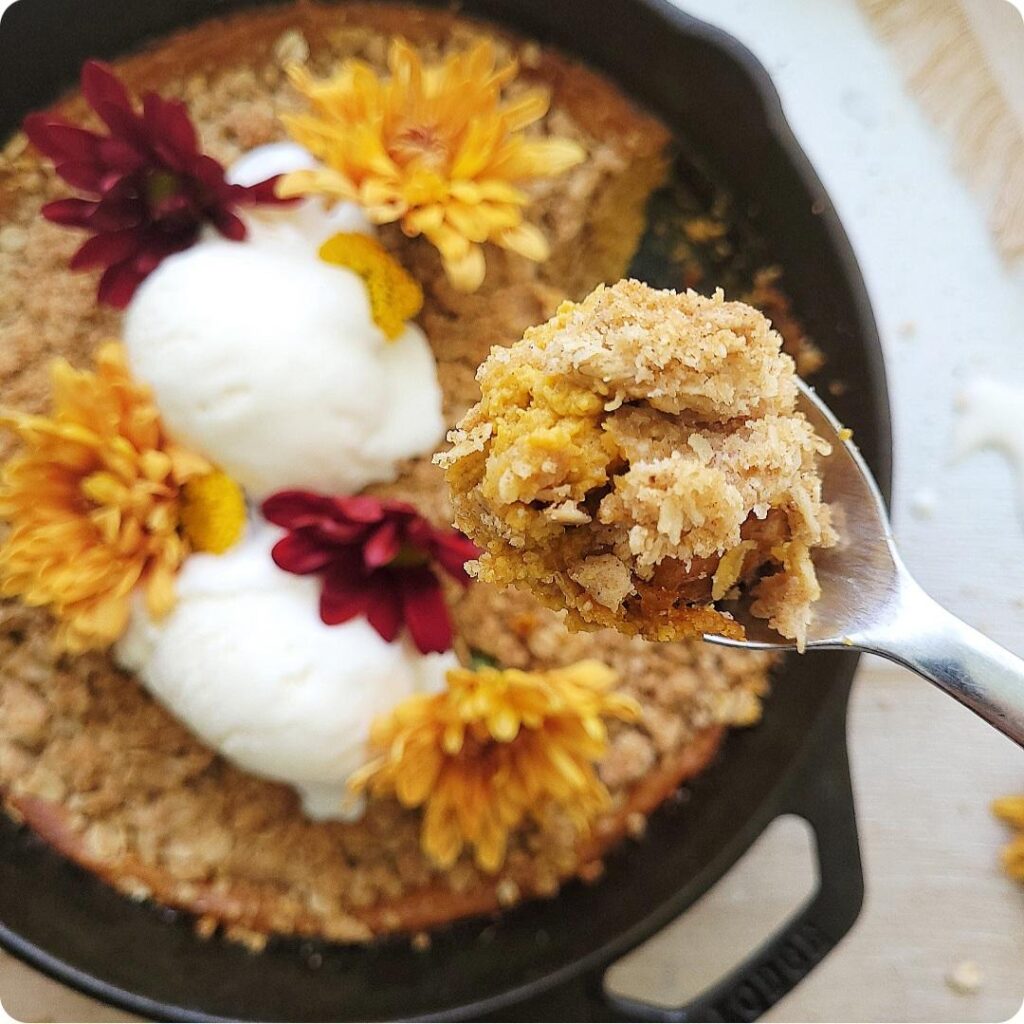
(925, 770)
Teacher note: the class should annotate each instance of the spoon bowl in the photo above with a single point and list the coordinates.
(870, 602)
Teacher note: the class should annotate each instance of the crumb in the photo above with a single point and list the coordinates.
(421, 942)
(253, 941)
(704, 229)
(291, 48)
(907, 329)
(965, 978)
(530, 55)
(924, 503)
(767, 296)
(508, 892)
(636, 824)
(13, 239)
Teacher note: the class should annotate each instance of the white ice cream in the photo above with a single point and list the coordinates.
(267, 360)
(245, 662)
(308, 223)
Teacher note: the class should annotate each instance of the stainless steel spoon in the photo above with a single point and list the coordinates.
(870, 602)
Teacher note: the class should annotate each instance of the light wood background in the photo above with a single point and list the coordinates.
(925, 769)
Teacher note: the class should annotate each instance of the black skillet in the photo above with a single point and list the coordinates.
(546, 960)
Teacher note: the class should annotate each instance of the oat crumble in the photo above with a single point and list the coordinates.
(104, 773)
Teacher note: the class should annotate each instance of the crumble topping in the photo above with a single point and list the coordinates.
(108, 776)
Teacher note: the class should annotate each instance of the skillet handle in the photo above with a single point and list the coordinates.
(823, 796)
(821, 793)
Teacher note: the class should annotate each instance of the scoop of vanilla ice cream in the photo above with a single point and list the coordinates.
(267, 359)
(245, 662)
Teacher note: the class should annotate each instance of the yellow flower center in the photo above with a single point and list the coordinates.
(394, 295)
(212, 512)
(417, 142)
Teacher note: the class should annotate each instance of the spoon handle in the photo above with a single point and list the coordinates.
(935, 644)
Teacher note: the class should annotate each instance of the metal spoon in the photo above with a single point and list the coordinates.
(870, 602)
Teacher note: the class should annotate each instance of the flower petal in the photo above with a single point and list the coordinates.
(300, 553)
(452, 551)
(71, 213)
(360, 509)
(264, 192)
(466, 273)
(295, 508)
(118, 284)
(384, 608)
(119, 208)
(61, 141)
(525, 239)
(425, 611)
(103, 89)
(531, 106)
(341, 602)
(106, 249)
(84, 175)
(171, 129)
(126, 125)
(382, 545)
(229, 224)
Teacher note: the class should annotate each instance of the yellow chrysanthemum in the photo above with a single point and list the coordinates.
(212, 512)
(93, 503)
(394, 294)
(434, 148)
(495, 748)
(1011, 810)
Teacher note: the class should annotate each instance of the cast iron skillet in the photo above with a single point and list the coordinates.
(543, 961)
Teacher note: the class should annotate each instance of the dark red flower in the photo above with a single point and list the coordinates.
(150, 190)
(377, 558)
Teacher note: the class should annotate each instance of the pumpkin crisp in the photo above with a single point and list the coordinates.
(639, 458)
(101, 770)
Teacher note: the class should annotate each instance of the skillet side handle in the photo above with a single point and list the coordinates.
(821, 794)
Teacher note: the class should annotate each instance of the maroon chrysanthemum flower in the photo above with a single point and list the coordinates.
(150, 190)
(377, 558)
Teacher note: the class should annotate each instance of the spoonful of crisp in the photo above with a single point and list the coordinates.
(650, 462)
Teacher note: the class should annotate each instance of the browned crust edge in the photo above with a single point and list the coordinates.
(424, 909)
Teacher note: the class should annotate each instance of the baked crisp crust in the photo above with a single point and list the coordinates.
(92, 762)
(636, 458)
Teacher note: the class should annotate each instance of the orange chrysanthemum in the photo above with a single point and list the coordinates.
(94, 503)
(434, 148)
(1011, 810)
(494, 749)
